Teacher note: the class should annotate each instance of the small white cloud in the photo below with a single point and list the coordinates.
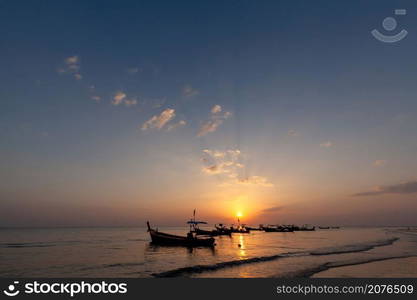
(96, 98)
(216, 119)
(133, 71)
(130, 102)
(176, 125)
(159, 121)
(189, 91)
(118, 98)
(209, 126)
(216, 109)
(327, 144)
(228, 166)
(71, 66)
(380, 163)
(72, 60)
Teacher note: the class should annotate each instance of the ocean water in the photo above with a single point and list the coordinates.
(127, 252)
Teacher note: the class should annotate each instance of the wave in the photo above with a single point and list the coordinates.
(26, 245)
(217, 266)
(328, 251)
(115, 265)
(354, 248)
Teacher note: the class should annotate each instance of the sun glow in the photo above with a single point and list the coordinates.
(239, 214)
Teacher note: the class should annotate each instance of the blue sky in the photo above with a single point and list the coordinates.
(318, 109)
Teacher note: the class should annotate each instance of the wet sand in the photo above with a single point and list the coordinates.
(391, 268)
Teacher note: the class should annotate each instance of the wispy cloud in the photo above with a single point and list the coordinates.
(176, 125)
(327, 144)
(159, 121)
(255, 180)
(133, 71)
(219, 162)
(272, 209)
(121, 98)
(130, 102)
(96, 98)
(216, 109)
(118, 98)
(409, 187)
(379, 163)
(229, 165)
(72, 60)
(71, 66)
(216, 119)
(189, 91)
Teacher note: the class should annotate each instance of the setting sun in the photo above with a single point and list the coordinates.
(239, 214)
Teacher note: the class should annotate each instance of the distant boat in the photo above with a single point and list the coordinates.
(277, 229)
(252, 228)
(194, 227)
(190, 240)
(307, 228)
(324, 227)
(223, 230)
(214, 232)
(240, 228)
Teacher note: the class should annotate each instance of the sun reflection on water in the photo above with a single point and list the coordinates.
(242, 247)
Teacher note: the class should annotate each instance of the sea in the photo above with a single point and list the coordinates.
(127, 252)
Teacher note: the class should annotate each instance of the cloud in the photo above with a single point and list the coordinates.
(327, 144)
(118, 98)
(96, 98)
(292, 132)
(216, 119)
(189, 91)
(176, 125)
(409, 187)
(71, 66)
(133, 71)
(159, 121)
(380, 163)
(255, 180)
(272, 209)
(130, 102)
(216, 109)
(72, 60)
(228, 165)
(218, 162)
(209, 126)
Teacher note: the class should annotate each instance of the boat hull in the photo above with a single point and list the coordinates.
(165, 239)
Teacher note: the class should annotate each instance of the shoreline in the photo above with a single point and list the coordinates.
(395, 267)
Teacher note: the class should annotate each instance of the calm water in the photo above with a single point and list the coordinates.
(126, 252)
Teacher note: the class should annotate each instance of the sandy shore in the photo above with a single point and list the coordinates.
(392, 268)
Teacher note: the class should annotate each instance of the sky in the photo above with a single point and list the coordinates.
(117, 112)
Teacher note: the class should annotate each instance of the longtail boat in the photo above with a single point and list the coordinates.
(277, 229)
(166, 239)
(223, 230)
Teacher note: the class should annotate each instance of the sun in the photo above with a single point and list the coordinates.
(239, 214)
